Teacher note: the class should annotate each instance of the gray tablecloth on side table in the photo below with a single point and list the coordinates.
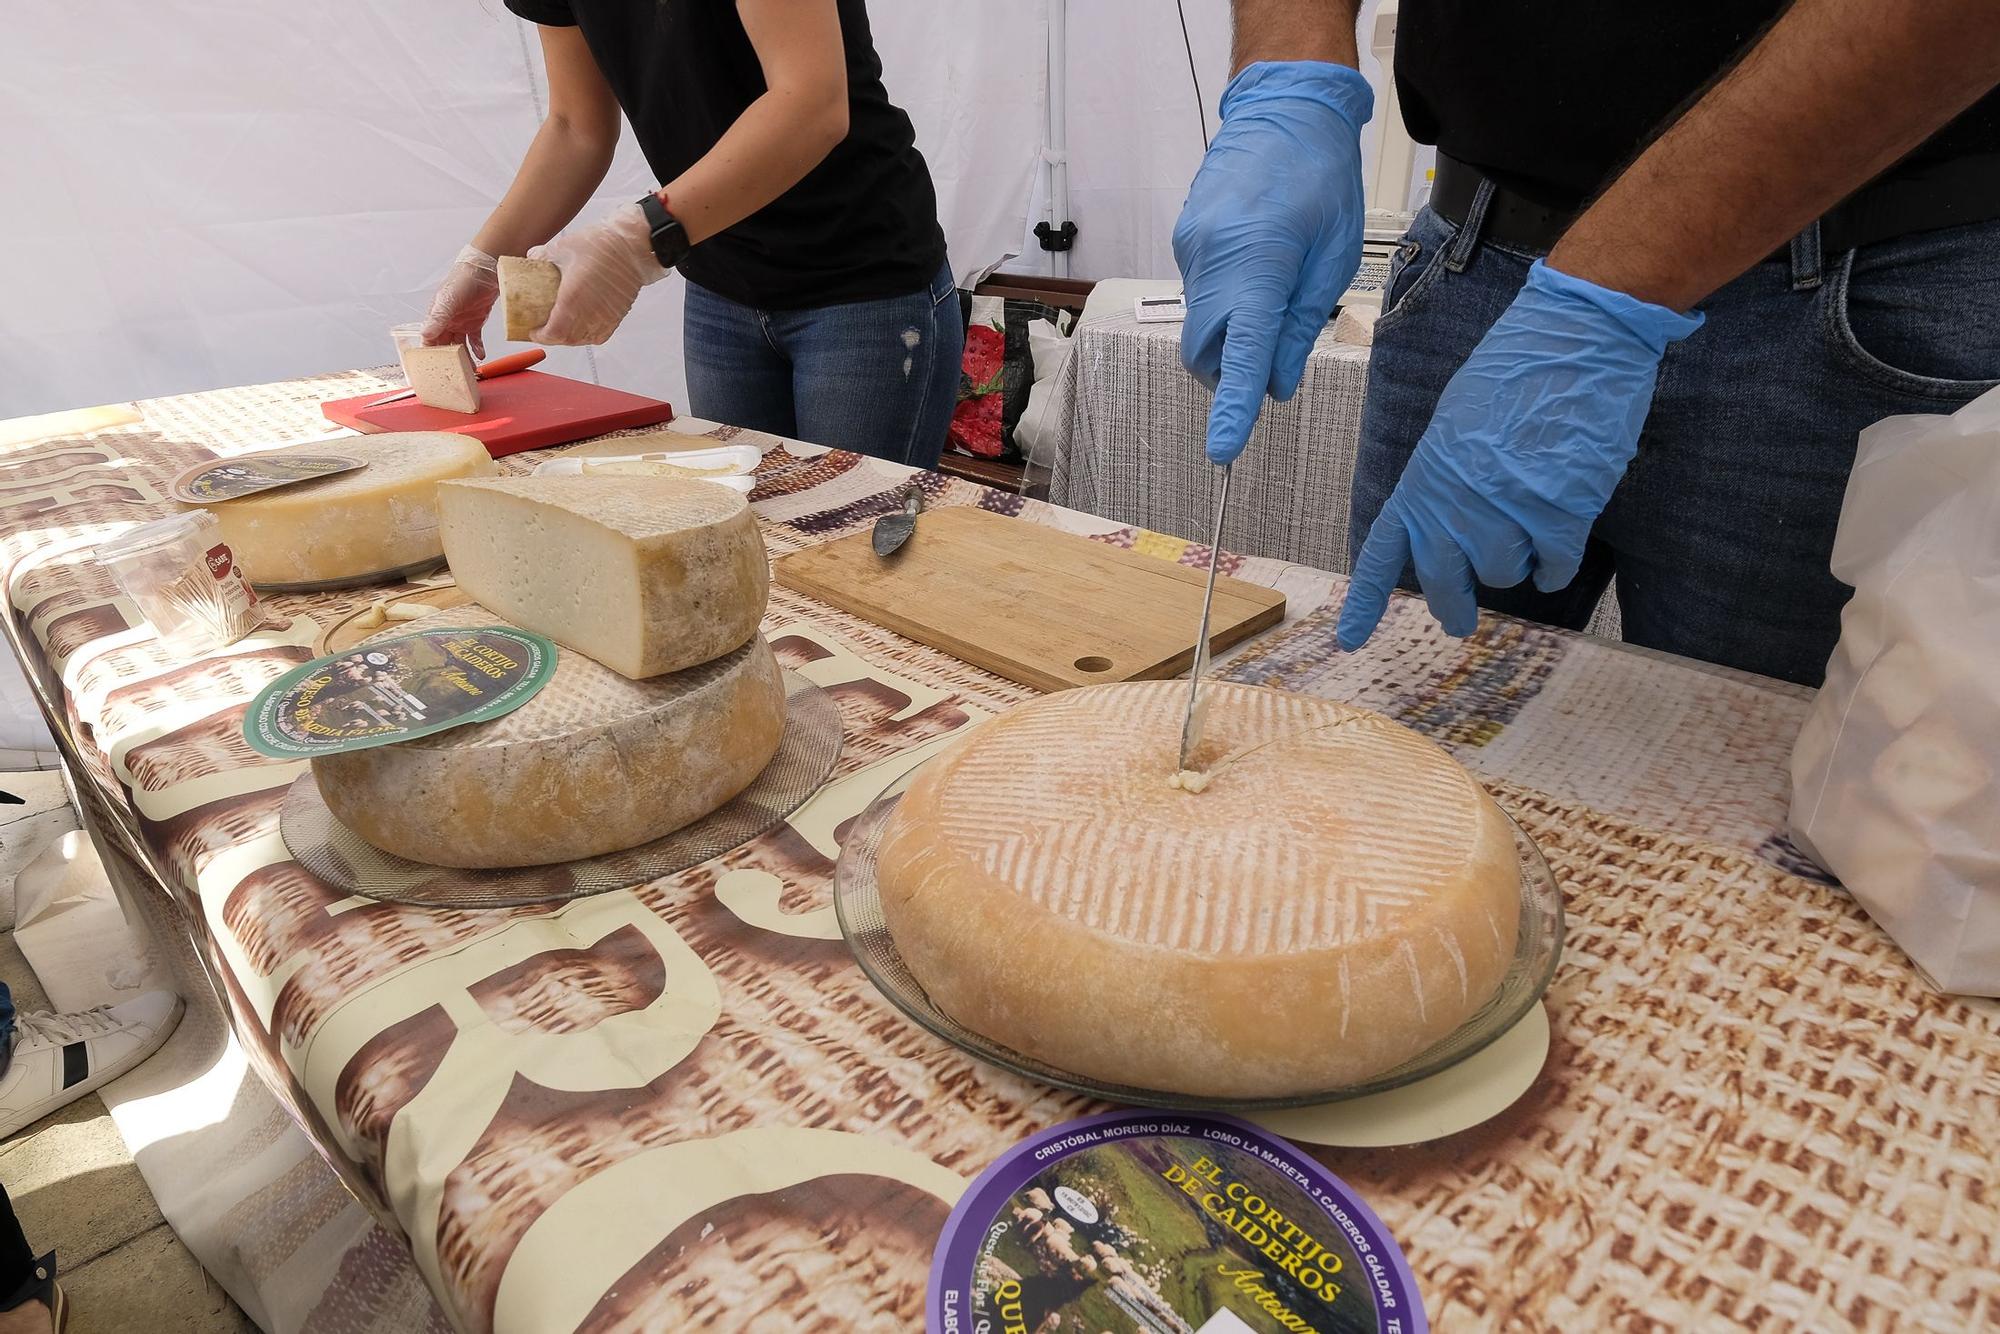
(1135, 432)
(1131, 449)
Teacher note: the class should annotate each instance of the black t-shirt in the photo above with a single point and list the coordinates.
(861, 225)
(1554, 97)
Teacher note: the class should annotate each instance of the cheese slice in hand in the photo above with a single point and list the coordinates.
(444, 377)
(527, 294)
(593, 764)
(376, 520)
(645, 574)
(1338, 897)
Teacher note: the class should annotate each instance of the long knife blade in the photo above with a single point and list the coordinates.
(1190, 729)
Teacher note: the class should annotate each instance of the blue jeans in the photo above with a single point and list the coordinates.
(1720, 533)
(876, 377)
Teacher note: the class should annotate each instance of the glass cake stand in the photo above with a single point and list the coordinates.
(858, 906)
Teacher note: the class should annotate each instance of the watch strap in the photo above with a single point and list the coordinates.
(670, 239)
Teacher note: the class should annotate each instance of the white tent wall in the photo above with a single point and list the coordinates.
(223, 191)
(1134, 128)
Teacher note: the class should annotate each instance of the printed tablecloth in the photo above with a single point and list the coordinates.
(682, 1106)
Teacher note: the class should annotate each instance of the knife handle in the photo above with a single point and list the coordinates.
(507, 365)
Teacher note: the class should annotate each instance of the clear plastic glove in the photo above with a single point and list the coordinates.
(603, 267)
(1526, 446)
(463, 301)
(1270, 235)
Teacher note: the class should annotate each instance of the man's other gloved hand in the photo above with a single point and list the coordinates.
(1522, 454)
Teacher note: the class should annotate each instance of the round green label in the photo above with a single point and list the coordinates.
(232, 479)
(391, 690)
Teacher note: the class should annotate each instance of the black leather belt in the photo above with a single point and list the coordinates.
(1920, 199)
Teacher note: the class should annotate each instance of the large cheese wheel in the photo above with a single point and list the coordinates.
(1341, 895)
(374, 520)
(594, 763)
(645, 574)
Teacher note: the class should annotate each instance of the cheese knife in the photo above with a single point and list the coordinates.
(1191, 724)
(894, 529)
(485, 370)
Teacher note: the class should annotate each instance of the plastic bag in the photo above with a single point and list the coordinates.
(1896, 774)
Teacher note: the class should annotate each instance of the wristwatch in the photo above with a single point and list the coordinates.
(670, 239)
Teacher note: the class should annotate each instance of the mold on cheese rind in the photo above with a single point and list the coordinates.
(594, 763)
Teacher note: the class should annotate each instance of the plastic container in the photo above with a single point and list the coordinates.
(185, 581)
(406, 336)
(730, 465)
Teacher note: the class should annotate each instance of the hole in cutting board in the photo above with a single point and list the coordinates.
(1093, 664)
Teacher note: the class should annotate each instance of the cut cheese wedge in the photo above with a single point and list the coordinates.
(593, 764)
(444, 377)
(353, 525)
(527, 294)
(645, 574)
(1340, 896)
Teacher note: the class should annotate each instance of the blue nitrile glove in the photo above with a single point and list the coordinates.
(1527, 443)
(1270, 235)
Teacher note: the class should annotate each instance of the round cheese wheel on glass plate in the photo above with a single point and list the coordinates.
(373, 521)
(645, 574)
(1340, 896)
(594, 763)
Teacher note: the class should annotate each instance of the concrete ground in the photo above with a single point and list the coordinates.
(77, 1190)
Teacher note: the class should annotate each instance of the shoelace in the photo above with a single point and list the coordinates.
(62, 1029)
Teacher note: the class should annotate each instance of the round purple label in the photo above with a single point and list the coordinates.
(1167, 1224)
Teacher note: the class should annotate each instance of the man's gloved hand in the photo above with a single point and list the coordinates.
(1526, 446)
(1270, 235)
(463, 301)
(603, 267)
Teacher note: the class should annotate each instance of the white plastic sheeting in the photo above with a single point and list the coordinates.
(221, 192)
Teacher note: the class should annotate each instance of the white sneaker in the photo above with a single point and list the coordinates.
(60, 1057)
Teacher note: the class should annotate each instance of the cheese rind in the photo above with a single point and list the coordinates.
(1339, 898)
(376, 520)
(644, 574)
(444, 377)
(527, 294)
(593, 764)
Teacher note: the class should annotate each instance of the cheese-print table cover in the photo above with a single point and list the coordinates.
(682, 1106)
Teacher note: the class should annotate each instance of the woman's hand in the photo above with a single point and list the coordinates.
(603, 267)
(463, 301)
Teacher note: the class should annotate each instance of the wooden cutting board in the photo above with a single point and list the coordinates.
(525, 410)
(1046, 608)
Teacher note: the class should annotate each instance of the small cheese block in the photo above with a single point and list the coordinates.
(645, 574)
(593, 764)
(373, 521)
(444, 377)
(527, 294)
(1337, 897)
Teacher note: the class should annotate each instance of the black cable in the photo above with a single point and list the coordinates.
(1200, 103)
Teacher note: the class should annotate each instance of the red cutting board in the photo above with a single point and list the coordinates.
(525, 410)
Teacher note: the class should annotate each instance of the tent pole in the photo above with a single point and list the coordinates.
(1055, 148)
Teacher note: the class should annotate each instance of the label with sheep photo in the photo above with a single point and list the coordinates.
(391, 690)
(232, 479)
(1166, 1224)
